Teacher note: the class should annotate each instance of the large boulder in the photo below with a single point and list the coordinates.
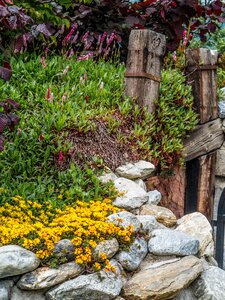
(107, 177)
(15, 260)
(172, 242)
(97, 286)
(197, 226)
(131, 258)
(185, 294)
(141, 169)
(46, 277)
(5, 289)
(163, 281)
(125, 219)
(210, 285)
(162, 214)
(133, 196)
(108, 247)
(17, 294)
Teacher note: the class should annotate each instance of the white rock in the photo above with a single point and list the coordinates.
(149, 224)
(5, 289)
(154, 197)
(97, 286)
(108, 247)
(15, 260)
(172, 242)
(197, 226)
(125, 219)
(220, 161)
(141, 169)
(17, 294)
(210, 285)
(131, 259)
(185, 294)
(141, 183)
(46, 277)
(133, 195)
(107, 177)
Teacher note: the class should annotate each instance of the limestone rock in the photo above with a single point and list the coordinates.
(141, 183)
(47, 277)
(197, 226)
(17, 294)
(141, 169)
(172, 242)
(97, 286)
(5, 288)
(133, 195)
(154, 197)
(64, 248)
(131, 259)
(109, 247)
(16, 260)
(221, 106)
(210, 285)
(107, 177)
(185, 294)
(125, 219)
(163, 282)
(149, 223)
(163, 215)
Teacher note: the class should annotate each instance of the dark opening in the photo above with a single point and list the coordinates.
(191, 194)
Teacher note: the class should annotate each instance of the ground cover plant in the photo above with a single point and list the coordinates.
(38, 227)
(75, 121)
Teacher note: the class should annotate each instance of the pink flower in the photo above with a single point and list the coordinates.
(103, 37)
(61, 157)
(85, 76)
(63, 97)
(68, 36)
(24, 40)
(40, 137)
(85, 57)
(71, 53)
(111, 38)
(49, 96)
(66, 70)
(175, 56)
(84, 37)
(46, 52)
(75, 37)
(43, 62)
(19, 131)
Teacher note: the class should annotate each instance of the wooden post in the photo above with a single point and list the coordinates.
(143, 70)
(202, 75)
(200, 169)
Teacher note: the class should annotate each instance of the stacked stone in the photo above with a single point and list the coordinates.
(168, 259)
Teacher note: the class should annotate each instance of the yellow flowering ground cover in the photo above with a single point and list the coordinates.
(37, 227)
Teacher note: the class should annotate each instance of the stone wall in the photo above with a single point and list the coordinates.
(169, 258)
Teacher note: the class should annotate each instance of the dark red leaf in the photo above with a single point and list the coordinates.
(4, 122)
(5, 73)
(13, 103)
(1, 143)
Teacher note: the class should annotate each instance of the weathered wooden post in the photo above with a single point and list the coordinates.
(143, 69)
(201, 145)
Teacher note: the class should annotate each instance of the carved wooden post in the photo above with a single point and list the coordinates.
(202, 75)
(142, 77)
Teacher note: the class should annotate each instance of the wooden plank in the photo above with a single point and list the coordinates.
(202, 75)
(145, 52)
(206, 184)
(204, 139)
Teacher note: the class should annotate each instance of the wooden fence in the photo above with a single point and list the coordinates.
(191, 188)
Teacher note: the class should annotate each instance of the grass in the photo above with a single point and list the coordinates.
(69, 104)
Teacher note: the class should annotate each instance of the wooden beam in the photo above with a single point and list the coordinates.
(204, 139)
(202, 76)
(143, 69)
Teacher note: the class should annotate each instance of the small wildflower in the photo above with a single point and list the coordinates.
(65, 71)
(43, 62)
(19, 130)
(175, 56)
(40, 137)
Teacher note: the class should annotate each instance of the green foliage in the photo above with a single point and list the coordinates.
(60, 95)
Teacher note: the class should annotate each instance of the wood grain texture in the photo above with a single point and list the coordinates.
(206, 184)
(203, 82)
(145, 52)
(204, 139)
